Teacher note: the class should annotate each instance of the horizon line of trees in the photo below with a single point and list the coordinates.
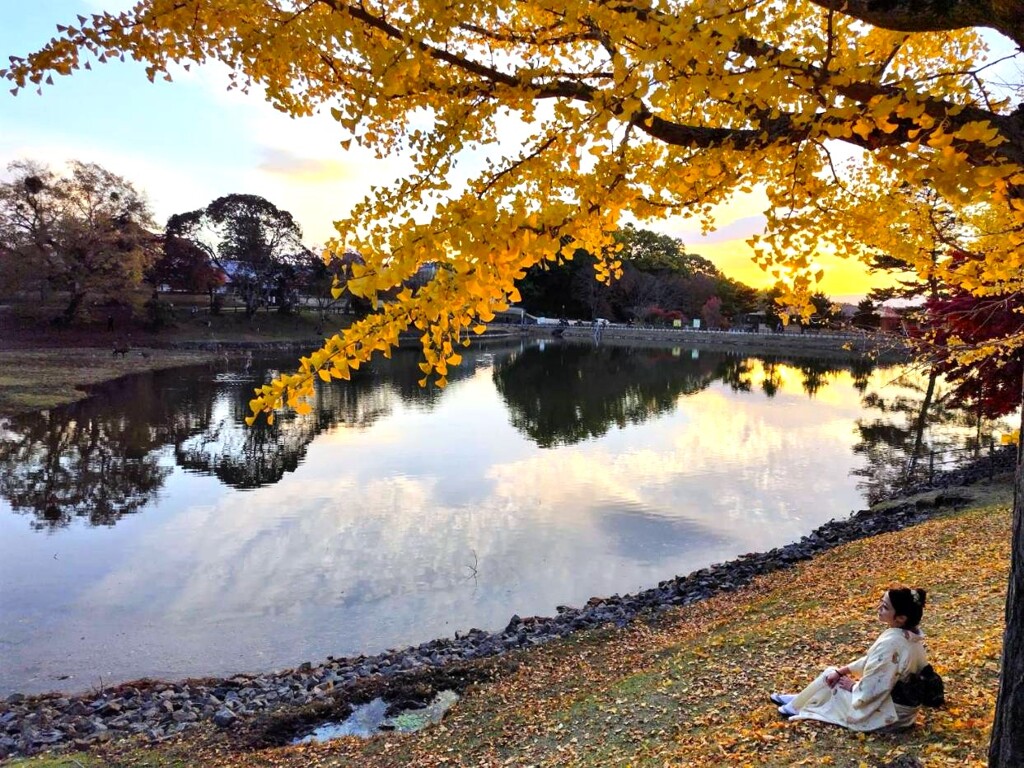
(89, 238)
(661, 283)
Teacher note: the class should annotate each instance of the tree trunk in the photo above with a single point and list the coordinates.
(921, 421)
(74, 304)
(1006, 749)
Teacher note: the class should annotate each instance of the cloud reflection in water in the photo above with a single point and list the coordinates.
(401, 519)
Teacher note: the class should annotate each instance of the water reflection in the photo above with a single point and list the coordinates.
(567, 393)
(98, 459)
(105, 457)
(248, 458)
(564, 393)
(741, 374)
(79, 468)
(910, 422)
(392, 514)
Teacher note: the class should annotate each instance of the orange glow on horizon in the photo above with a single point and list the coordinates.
(844, 279)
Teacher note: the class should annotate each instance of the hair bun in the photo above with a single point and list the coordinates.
(923, 595)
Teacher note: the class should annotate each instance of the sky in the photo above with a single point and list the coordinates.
(188, 142)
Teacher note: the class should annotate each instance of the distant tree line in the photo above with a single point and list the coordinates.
(660, 284)
(87, 238)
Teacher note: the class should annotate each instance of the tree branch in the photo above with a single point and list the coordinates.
(935, 15)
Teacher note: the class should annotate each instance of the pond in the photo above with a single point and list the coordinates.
(147, 532)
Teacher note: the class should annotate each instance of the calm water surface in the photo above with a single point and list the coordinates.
(147, 532)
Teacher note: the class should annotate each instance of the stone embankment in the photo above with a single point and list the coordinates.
(883, 346)
(29, 724)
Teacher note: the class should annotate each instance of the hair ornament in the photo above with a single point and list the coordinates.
(915, 595)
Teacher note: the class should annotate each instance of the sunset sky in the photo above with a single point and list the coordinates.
(188, 142)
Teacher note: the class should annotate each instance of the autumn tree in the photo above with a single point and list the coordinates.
(990, 386)
(637, 291)
(866, 315)
(826, 313)
(184, 265)
(660, 254)
(656, 272)
(674, 278)
(769, 301)
(737, 298)
(655, 109)
(548, 289)
(85, 233)
(711, 313)
(249, 239)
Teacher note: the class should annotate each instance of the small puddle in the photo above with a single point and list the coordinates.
(370, 719)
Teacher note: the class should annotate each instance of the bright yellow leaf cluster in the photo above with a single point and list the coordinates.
(648, 108)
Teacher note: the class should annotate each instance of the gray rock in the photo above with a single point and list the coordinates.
(224, 718)
(48, 737)
(111, 708)
(79, 709)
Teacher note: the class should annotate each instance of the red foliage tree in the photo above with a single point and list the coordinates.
(186, 266)
(991, 386)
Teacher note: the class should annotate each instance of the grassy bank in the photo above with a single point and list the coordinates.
(691, 688)
(43, 367)
(31, 380)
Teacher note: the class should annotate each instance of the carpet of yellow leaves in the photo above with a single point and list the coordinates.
(691, 688)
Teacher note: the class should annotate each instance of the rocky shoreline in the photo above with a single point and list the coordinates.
(159, 710)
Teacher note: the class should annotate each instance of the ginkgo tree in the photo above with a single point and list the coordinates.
(651, 109)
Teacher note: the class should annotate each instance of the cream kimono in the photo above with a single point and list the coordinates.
(896, 654)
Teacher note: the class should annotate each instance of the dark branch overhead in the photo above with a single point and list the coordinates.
(1005, 16)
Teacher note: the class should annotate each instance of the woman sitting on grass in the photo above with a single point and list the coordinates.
(866, 704)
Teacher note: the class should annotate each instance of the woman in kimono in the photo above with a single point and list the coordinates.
(858, 696)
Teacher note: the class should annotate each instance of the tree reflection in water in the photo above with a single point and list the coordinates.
(108, 456)
(815, 373)
(913, 422)
(104, 457)
(99, 459)
(247, 458)
(564, 393)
